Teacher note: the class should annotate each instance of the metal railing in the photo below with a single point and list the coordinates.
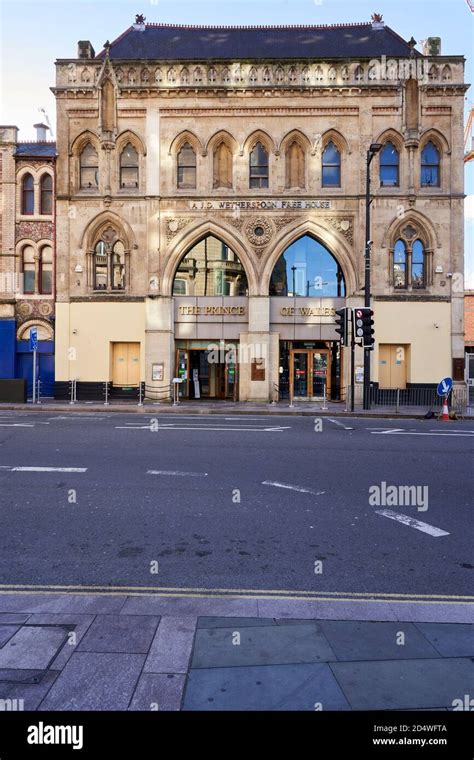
(425, 397)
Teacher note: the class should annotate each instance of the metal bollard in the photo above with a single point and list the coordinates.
(106, 402)
(38, 395)
(73, 392)
(398, 401)
(324, 406)
(140, 402)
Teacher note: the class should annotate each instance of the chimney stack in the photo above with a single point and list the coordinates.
(41, 131)
(85, 49)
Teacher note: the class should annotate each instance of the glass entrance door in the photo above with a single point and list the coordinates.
(310, 374)
(300, 374)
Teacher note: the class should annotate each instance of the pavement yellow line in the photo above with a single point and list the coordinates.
(242, 593)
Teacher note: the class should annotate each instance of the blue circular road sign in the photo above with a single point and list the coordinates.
(445, 386)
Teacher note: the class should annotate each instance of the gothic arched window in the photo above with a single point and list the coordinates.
(27, 195)
(400, 272)
(331, 166)
(46, 194)
(430, 164)
(129, 167)
(418, 279)
(258, 167)
(186, 167)
(389, 166)
(89, 167)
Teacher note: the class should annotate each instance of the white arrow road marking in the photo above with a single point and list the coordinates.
(291, 488)
(341, 424)
(406, 520)
(181, 474)
(49, 469)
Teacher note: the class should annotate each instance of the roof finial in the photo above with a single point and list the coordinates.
(140, 18)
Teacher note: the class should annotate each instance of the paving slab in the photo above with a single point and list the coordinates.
(120, 633)
(6, 632)
(159, 692)
(450, 639)
(25, 696)
(362, 640)
(32, 647)
(95, 681)
(329, 610)
(231, 622)
(77, 624)
(65, 602)
(190, 606)
(267, 687)
(264, 645)
(7, 618)
(405, 684)
(171, 649)
(435, 612)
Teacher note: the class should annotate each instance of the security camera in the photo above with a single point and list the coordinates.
(74, 332)
(449, 274)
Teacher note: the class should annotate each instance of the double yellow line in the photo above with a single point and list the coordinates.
(226, 593)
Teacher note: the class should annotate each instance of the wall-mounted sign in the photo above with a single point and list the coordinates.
(260, 204)
(215, 311)
(307, 311)
(359, 374)
(157, 372)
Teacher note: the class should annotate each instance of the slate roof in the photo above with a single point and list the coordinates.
(169, 42)
(36, 149)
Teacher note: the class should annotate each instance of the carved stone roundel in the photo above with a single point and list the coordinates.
(259, 231)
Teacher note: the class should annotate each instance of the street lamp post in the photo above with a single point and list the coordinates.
(374, 148)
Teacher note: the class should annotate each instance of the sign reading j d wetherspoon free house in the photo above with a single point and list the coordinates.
(260, 204)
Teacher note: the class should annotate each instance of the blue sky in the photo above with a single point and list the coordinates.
(33, 34)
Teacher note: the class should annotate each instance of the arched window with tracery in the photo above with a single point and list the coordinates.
(411, 260)
(109, 262)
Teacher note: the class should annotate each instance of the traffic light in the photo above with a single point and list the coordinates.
(363, 326)
(342, 325)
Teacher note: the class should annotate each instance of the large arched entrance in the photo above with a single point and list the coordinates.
(307, 285)
(210, 290)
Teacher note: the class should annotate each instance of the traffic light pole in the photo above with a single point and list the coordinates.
(366, 399)
(352, 361)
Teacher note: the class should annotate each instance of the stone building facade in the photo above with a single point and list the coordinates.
(27, 243)
(211, 208)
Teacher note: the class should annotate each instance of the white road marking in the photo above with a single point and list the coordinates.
(406, 520)
(341, 424)
(16, 424)
(450, 435)
(291, 488)
(170, 426)
(49, 469)
(180, 474)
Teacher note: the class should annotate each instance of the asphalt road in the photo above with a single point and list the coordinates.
(235, 503)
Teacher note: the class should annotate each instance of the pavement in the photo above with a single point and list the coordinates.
(149, 652)
(225, 407)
